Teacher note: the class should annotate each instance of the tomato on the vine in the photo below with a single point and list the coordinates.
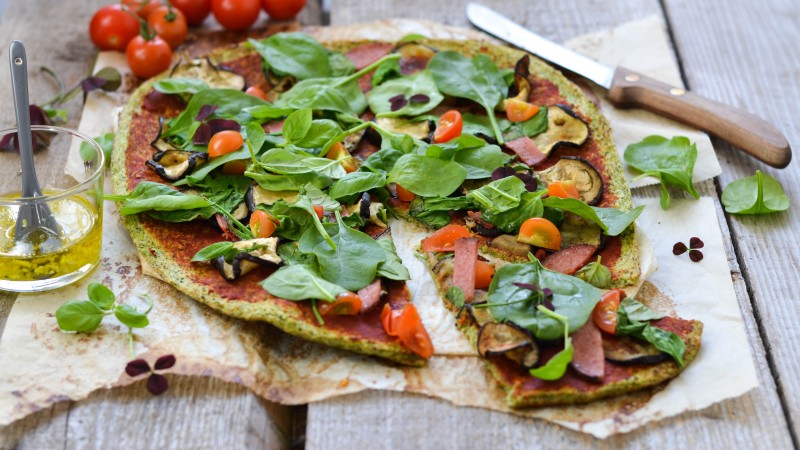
(148, 57)
(112, 28)
(142, 7)
(236, 15)
(283, 9)
(170, 24)
(195, 11)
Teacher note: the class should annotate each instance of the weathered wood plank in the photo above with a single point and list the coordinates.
(757, 71)
(403, 421)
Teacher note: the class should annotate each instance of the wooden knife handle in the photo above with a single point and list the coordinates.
(753, 135)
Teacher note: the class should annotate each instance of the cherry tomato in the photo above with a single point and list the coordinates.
(563, 189)
(236, 15)
(169, 24)
(404, 194)
(224, 142)
(256, 91)
(605, 312)
(541, 233)
(142, 7)
(450, 126)
(444, 239)
(319, 210)
(412, 333)
(262, 224)
(484, 272)
(112, 28)
(195, 11)
(346, 304)
(519, 111)
(282, 9)
(389, 319)
(147, 58)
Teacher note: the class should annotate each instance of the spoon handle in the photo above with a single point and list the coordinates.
(19, 84)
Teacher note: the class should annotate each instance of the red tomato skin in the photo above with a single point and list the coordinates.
(112, 28)
(283, 9)
(148, 58)
(195, 11)
(236, 15)
(450, 126)
(173, 32)
(142, 7)
(256, 91)
(224, 142)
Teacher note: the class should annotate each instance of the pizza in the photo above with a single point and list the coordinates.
(261, 180)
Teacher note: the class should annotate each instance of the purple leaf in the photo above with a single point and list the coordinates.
(9, 143)
(503, 172)
(93, 83)
(164, 362)
(547, 292)
(38, 116)
(548, 304)
(695, 255)
(202, 135)
(679, 248)
(530, 183)
(205, 112)
(419, 98)
(137, 367)
(218, 125)
(157, 384)
(532, 287)
(398, 102)
(695, 242)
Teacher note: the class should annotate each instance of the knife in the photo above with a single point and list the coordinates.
(628, 89)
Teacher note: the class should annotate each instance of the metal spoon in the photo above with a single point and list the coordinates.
(36, 225)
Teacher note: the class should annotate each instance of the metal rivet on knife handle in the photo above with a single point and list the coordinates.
(632, 77)
(677, 91)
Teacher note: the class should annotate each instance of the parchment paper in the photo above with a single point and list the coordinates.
(50, 366)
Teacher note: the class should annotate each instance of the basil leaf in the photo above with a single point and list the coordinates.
(555, 366)
(759, 194)
(320, 132)
(666, 341)
(300, 282)
(355, 183)
(272, 182)
(101, 296)
(387, 70)
(572, 298)
(499, 196)
(79, 315)
(595, 274)
(284, 162)
(129, 316)
(392, 267)
(480, 162)
(611, 220)
(530, 205)
(420, 83)
(531, 127)
(215, 251)
(157, 197)
(340, 64)
(477, 79)
(297, 125)
(426, 176)
(263, 112)
(354, 262)
(180, 85)
(670, 160)
(295, 54)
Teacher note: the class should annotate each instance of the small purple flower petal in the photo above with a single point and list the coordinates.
(502, 172)
(695, 242)
(157, 384)
(9, 143)
(695, 255)
(164, 362)
(137, 367)
(679, 248)
(205, 112)
(202, 135)
(419, 98)
(92, 83)
(218, 125)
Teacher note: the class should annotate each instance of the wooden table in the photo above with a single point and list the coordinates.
(739, 52)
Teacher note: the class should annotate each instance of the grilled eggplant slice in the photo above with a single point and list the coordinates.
(216, 77)
(627, 351)
(496, 338)
(520, 89)
(172, 165)
(414, 57)
(422, 129)
(564, 127)
(508, 246)
(256, 195)
(586, 178)
(253, 253)
(480, 315)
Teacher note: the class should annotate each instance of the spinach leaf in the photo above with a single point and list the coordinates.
(759, 194)
(499, 195)
(392, 267)
(388, 70)
(294, 221)
(180, 85)
(572, 298)
(353, 262)
(300, 282)
(637, 311)
(477, 79)
(149, 196)
(291, 255)
(611, 220)
(382, 161)
(670, 160)
(447, 203)
(420, 84)
(284, 162)
(272, 182)
(295, 54)
(317, 197)
(480, 162)
(426, 176)
(531, 127)
(530, 205)
(230, 104)
(556, 366)
(268, 111)
(340, 64)
(330, 94)
(215, 250)
(595, 274)
(638, 327)
(481, 125)
(356, 182)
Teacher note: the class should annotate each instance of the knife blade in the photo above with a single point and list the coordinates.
(629, 89)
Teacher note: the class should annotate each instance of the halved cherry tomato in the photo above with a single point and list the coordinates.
(112, 28)
(262, 224)
(195, 11)
(563, 189)
(237, 167)
(224, 142)
(404, 194)
(142, 7)
(412, 333)
(444, 239)
(236, 15)
(256, 91)
(170, 25)
(484, 272)
(449, 127)
(541, 233)
(319, 210)
(605, 312)
(282, 9)
(346, 304)
(389, 318)
(519, 111)
(148, 57)
(339, 152)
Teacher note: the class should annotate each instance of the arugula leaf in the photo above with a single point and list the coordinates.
(101, 296)
(477, 79)
(295, 54)
(480, 162)
(180, 85)
(79, 315)
(301, 282)
(355, 183)
(499, 195)
(530, 205)
(759, 194)
(427, 176)
(149, 196)
(595, 274)
(421, 83)
(638, 327)
(392, 267)
(611, 220)
(670, 160)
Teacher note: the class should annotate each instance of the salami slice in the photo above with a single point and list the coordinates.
(570, 259)
(466, 254)
(370, 295)
(526, 150)
(588, 358)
